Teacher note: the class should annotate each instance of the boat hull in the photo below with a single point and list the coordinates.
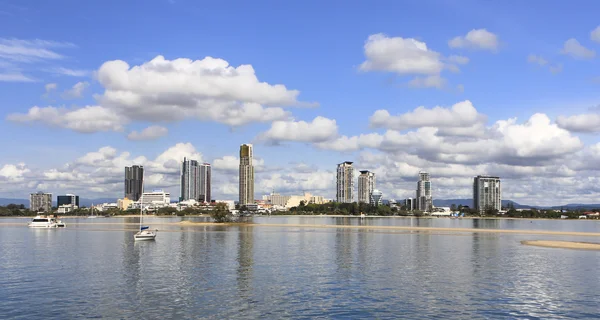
(144, 236)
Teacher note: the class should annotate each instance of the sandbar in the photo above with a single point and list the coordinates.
(563, 244)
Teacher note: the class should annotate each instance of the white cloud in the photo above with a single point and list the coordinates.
(580, 123)
(12, 173)
(462, 114)
(320, 129)
(30, 50)
(434, 81)
(15, 77)
(208, 89)
(458, 59)
(226, 163)
(50, 87)
(400, 55)
(476, 39)
(85, 120)
(595, 34)
(76, 91)
(69, 72)
(573, 48)
(150, 133)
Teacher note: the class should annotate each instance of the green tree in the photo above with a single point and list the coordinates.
(453, 207)
(220, 213)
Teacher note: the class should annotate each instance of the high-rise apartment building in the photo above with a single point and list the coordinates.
(134, 180)
(345, 182)
(246, 175)
(424, 201)
(366, 185)
(190, 180)
(204, 194)
(487, 193)
(40, 201)
(67, 200)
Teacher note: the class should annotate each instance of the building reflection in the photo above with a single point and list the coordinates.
(245, 260)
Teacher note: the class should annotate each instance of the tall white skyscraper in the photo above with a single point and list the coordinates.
(487, 193)
(345, 182)
(246, 175)
(424, 201)
(366, 185)
(190, 180)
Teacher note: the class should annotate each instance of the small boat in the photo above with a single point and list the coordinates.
(92, 216)
(362, 215)
(144, 233)
(43, 222)
(60, 224)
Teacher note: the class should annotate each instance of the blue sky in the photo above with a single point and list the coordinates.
(519, 61)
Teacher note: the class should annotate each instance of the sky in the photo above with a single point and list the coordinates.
(456, 88)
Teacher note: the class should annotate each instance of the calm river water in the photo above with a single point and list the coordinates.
(93, 269)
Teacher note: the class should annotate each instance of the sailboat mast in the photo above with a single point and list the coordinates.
(142, 204)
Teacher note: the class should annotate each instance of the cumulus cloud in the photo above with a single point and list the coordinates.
(320, 129)
(208, 89)
(400, 55)
(88, 119)
(76, 91)
(12, 173)
(580, 123)
(150, 133)
(408, 56)
(462, 114)
(595, 34)
(480, 39)
(574, 49)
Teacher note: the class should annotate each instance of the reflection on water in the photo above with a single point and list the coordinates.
(223, 272)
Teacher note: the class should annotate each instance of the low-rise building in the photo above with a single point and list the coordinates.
(124, 204)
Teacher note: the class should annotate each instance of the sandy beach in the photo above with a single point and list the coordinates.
(563, 244)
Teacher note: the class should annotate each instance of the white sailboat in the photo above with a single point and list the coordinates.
(144, 233)
(92, 216)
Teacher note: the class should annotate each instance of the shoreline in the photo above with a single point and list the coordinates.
(331, 226)
(562, 244)
(311, 216)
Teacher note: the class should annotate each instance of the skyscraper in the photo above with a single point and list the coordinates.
(190, 180)
(134, 179)
(424, 200)
(204, 194)
(366, 185)
(40, 201)
(246, 175)
(345, 182)
(375, 198)
(487, 193)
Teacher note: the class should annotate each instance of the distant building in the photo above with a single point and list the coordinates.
(376, 196)
(316, 200)
(156, 199)
(40, 202)
(204, 192)
(424, 198)
(366, 185)
(124, 204)
(134, 180)
(345, 182)
(246, 181)
(69, 199)
(487, 193)
(282, 201)
(190, 180)
(409, 204)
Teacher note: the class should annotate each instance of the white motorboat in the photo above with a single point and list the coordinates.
(144, 233)
(43, 222)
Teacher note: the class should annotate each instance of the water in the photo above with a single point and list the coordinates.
(96, 270)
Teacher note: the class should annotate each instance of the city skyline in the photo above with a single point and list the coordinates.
(378, 87)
